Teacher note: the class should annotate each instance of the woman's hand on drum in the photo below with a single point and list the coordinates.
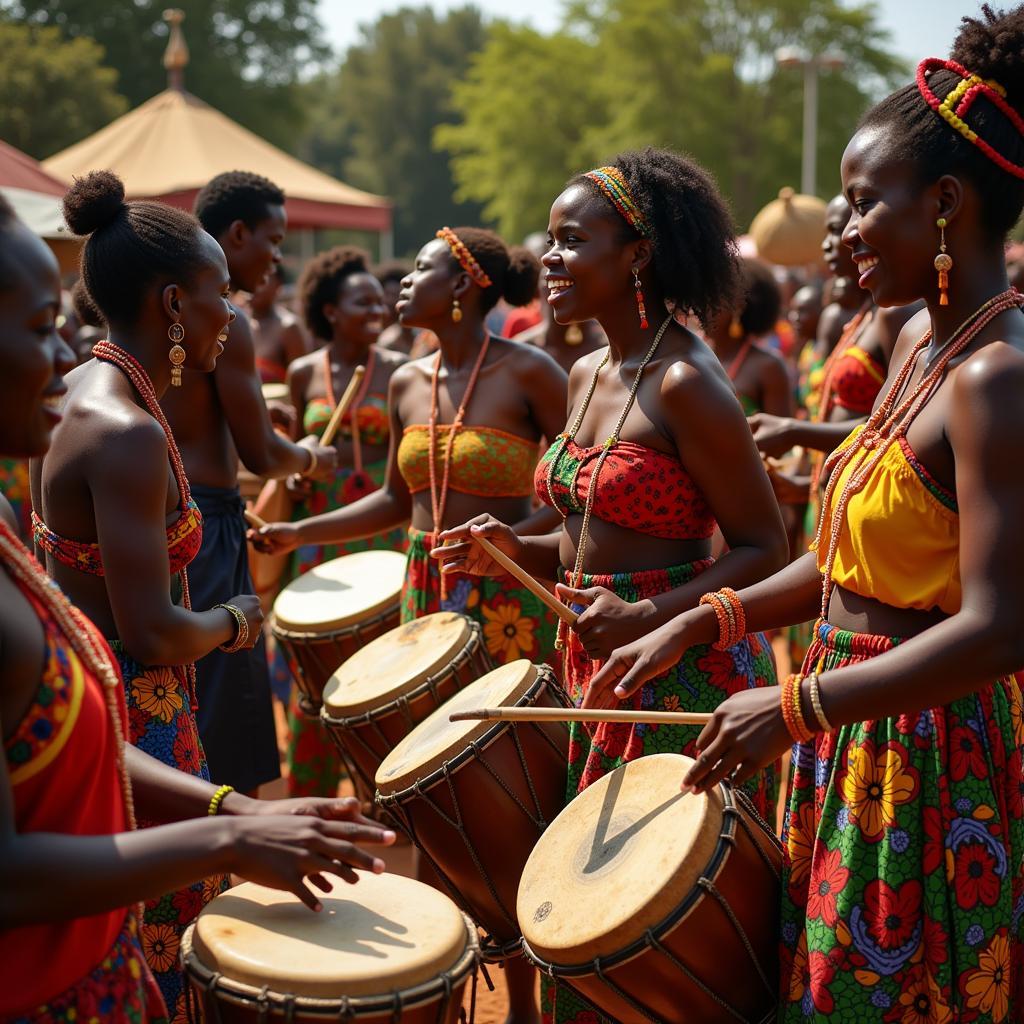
(275, 538)
(607, 621)
(249, 606)
(282, 851)
(771, 433)
(631, 666)
(457, 553)
(745, 733)
(328, 808)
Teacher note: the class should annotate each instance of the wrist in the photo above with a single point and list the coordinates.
(224, 845)
(237, 804)
(312, 461)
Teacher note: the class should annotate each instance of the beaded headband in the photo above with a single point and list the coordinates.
(954, 108)
(465, 258)
(612, 183)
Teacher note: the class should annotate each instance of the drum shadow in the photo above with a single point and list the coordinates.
(343, 926)
(605, 848)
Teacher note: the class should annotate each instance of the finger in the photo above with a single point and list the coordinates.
(343, 808)
(454, 565)
(321, 882)
(443, 551)
(348, 853)
(462, 531)
(491, 529)
(610, 672)
(305, 894)
(721, 771)
(572, 596)
(703, 764)
(344, 872)
(356, 833)
(639, 670)
(742, 772)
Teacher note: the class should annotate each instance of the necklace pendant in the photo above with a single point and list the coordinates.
(869, 440)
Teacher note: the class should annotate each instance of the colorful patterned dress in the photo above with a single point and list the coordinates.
(314, 767)
(14, 486)
(84, 968)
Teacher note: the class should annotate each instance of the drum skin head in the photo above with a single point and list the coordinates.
(341, 592)
(395, 663)
(385, 932)
(436, 740)
(617, 861)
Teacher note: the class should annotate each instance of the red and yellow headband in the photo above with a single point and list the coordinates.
(465, 258)
(955, 107)
(612, 182)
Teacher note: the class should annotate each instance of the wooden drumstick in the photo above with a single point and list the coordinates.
(342, 407)
(563, 611)
(580, 715)
(254, 520)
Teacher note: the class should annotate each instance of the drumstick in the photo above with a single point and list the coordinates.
(254, 520)
(563, 611)
(580, 715)
(342, 407)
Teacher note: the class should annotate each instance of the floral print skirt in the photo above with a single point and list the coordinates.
(903, 886)
(162, 722)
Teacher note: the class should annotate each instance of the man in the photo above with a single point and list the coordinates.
(218, 418)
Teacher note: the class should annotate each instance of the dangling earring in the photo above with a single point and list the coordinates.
(177, 354)
(943, 263)
(736, 328)
(641, 310)
(456, 311)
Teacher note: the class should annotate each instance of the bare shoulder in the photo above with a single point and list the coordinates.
(303, 366)
(769, 358)
(391, 359)
(993, 374)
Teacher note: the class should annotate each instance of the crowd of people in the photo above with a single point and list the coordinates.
(788, 498)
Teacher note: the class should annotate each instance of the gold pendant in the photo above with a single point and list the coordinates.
(574, 335)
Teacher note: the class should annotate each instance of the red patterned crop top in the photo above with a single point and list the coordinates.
(640, 489)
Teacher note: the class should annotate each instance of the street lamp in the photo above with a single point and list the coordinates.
(812, 64)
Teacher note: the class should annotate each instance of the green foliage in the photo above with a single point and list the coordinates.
(52, 92)
(694, 75)
(375, 117)
(246, 55)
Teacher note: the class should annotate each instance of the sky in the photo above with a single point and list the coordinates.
(919, 28)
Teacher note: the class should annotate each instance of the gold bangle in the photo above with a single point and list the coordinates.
(242, 631)
(819, 711)
(313, 463)
(218, 798)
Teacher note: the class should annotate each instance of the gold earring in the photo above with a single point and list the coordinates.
(456, 311)
(177, 354)
(736, 328)
(943, 263)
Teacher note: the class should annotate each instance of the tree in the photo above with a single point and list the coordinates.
(52, 92)
(694, 75)
(247, 55)
(376, 116)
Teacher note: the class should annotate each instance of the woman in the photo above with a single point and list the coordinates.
(343, 307)
(759, 375)
(465, 425)
(115, 516)
(904, 838)
(69, 939)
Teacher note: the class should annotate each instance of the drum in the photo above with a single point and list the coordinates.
(384, 690)
(325, 616)
(275, 392)
(476, 796)
(657, 906)
(385, 949)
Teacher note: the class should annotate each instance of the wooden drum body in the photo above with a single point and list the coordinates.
(380, 694)
(655, 906)
(327, 614)
(386, 949)
(476, 796)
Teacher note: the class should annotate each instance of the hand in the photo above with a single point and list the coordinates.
(249, 606)
(327, 808)
(772, 434)
(275, 538)
(457, 553)
(789, 489)
(745, 733)
(282, 416)
(326, 458)
(299, 487)
(607, 622)
(631, 666)
(281, 851)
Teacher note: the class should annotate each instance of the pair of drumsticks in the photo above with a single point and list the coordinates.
(562, 610)
(347, 398)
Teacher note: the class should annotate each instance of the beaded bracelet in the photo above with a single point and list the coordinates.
(242, 634)
(792, 715)
(218, 798)
(717, 605)
(732, 620)
(819, 711)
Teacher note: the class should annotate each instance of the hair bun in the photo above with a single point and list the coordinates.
(93, 202)
(992, 46)
(522, 276)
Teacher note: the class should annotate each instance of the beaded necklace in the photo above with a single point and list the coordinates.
(81, 634)
(357, 452)
(889, 422)
(609, 443)
(439, 500)
(133, 370)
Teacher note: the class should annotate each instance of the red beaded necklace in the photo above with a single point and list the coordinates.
(439, 500)
(81, 634)
(889, 422)
(133, 370)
